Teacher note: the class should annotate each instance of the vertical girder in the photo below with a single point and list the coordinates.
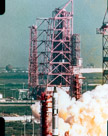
(54, 52)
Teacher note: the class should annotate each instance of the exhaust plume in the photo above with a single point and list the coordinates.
(85, 117)
(36, 110)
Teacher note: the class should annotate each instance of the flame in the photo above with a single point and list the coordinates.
(85, 117)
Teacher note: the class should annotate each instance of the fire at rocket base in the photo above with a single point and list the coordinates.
(55, 113)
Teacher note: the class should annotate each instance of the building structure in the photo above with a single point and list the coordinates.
(54, 54)
(104, 31)
(54, 60)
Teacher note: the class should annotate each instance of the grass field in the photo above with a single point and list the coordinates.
(17, 129)
(9, 110)
(11, 82)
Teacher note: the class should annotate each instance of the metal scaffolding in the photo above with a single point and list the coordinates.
(56, 53)
(60, 67)
(54, 60)
(104, 31)
(33, 62)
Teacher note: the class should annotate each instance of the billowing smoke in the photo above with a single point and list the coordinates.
(85, 117)
(36, 110)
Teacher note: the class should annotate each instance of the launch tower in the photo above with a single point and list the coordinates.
(54, 58)
(104, 31)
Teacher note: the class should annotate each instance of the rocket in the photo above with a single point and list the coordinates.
(55, 113)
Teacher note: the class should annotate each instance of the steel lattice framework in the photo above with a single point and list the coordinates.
(33, 61)
(56, 53)
(60, 67)
(104, 31)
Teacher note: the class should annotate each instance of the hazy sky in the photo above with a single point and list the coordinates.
(14, 31)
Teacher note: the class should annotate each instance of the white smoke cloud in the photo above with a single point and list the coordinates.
(85, 117)
(36, 110)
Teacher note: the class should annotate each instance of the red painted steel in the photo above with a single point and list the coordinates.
(46, 114)
(33, 62)
(54, 59)
(54, 51)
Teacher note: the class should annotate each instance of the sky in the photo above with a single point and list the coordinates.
(20, 14)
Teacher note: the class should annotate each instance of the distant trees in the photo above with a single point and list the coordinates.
(9, 68)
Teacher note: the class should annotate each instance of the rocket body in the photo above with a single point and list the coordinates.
(55, 113)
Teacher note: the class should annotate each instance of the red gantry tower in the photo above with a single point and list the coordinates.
(54, 58)
(33, 62)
